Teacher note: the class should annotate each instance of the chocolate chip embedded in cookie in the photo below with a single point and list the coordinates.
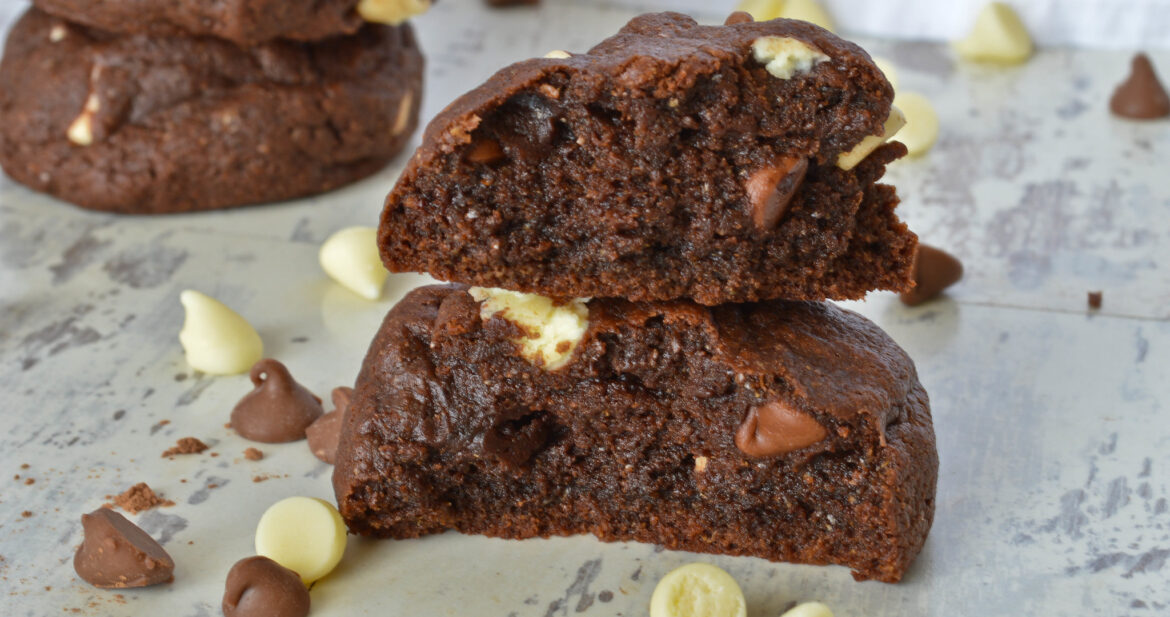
(800, 418)
(151, 125)
(725, 163)
(245, 22)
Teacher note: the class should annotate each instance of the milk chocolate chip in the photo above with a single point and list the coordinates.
(770, 189)
(1141, 96)
(260, 587)
(775, 428)
(278, 410)
(325, 432)
(739, 17)
(117, 553)
(934, 271)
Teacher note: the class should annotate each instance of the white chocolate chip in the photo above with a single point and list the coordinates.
(894, 123)
(761, 10)
(784, 57)
(921, 128)
(57, 33)
(887, 68)
(998, 36)
(558, 53)
(404, 109)
(701, 464)
(215, 338)
(392, 12)
(807, 10)
(80, 130)
(554, 331)
(808, 609)
(697, 590)
(350, 257)
(304, 534)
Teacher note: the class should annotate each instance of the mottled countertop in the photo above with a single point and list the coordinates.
(1053, 431)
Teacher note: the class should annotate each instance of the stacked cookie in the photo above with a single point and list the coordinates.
(650, 231)
(140, 106)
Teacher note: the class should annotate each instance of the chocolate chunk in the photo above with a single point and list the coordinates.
(934, 271)
(486, 151)
(739, 17)
(260, 587)
(776, 428)
(324, 433)
(515, 441)
(770, 190)
(278, 410)
(1141, 96)
(117, 553)
(1095, 300)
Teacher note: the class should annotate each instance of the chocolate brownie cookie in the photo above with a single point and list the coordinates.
(723, 164)
(792, 431)
(145, 124)
(246, 22)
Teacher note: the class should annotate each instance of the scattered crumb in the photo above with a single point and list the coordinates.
(27, 514)
(185, 445)
(138, 498)
(29, 481)
(16, 476)
(24, 465)
(259, 479)
(1095, 299)
(214, 454)
(212, 486)
(252, 454)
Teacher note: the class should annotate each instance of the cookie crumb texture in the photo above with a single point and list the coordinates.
(667, 162)
(245, 22)
(635, 438)
(176, 124)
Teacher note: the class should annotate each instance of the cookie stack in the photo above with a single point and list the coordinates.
(147, 107)
(639, 345)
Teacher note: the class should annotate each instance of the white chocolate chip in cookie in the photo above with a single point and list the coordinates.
(697, 590)
(998, 36)
(921, 130)
(392, 12)
(784, 57)
(80, 130)
(558, 54)
(807, 10)
(894, 123)
(57, 33)
(808, 609)
(554, 330)
(403, 117)
(215, 338)
(304, 534)
(351, 258)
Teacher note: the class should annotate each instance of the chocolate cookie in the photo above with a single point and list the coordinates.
(144, 124)
(792, 431)
(246, 22)
(724, 164)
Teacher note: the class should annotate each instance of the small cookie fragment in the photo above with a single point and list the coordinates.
(1096, 299)
(934, 271)
(350, 257)
(117, 553)
(278, 409)
(325, 432)
(921, 130)
(303, 534)
(808, 609)
(1141, 96)
(253, 454)
(697, 590)
(216, 339)
(185, 445)
(260, 587)
(998, 36)
(138, 498)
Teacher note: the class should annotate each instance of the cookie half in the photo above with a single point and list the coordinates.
(791, 431)
(727, 163)
(245, 22)
(148, 124)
